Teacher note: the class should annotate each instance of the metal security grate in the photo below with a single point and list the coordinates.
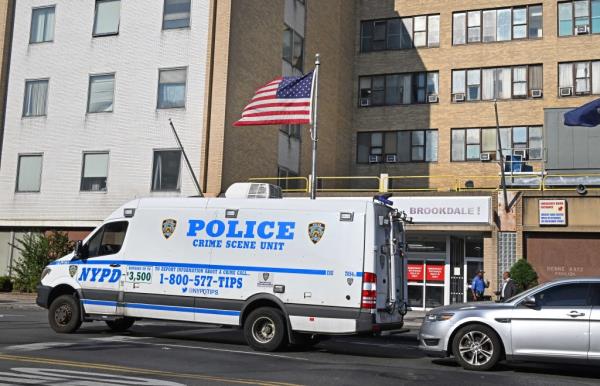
(507, 252)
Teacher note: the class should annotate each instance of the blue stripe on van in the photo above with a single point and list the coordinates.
(163, 308)
(300, 271)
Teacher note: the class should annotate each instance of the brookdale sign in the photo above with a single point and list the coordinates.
(445, 209)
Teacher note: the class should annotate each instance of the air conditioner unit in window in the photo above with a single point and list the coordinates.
(432, 98)
(485, 157)
(458, 97)
(520, 152)
(374, 159)
(536, 93)
(565, 91)
(582, 29)
(364, 102)
(391, 158)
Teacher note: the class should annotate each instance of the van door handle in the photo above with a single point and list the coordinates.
(115, 265)
(575, 314)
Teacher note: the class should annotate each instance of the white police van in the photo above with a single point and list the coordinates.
(285, 270)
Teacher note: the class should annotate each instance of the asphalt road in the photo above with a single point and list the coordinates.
(157, 353)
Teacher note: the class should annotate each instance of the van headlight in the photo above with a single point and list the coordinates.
(45, 273)
(438, 317)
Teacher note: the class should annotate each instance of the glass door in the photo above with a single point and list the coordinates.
(426, 283)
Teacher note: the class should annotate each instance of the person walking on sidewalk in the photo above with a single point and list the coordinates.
(509, 289)
(478, 286)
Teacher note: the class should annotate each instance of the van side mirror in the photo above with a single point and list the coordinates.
(530, 302)
(81, 251)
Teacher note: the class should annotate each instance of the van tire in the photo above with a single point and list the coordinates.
(120, 324)
(265, 329)
(64, 314)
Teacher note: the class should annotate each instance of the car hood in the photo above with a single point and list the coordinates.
(470, 307)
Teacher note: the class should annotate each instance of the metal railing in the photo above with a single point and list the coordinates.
(285, 182)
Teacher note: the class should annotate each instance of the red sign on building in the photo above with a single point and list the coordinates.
(435, 272)
(415, 272)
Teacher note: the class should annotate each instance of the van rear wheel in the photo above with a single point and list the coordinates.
(64, 314)
(120, 324)
(265, 330)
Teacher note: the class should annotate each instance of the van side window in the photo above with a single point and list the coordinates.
(108, 240)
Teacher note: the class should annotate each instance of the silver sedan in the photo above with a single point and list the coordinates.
(555, 321)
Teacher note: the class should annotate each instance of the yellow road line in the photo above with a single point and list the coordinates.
(133, 370)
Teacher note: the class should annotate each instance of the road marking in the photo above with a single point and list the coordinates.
(39, 346)
(134, 370)
(135, 340)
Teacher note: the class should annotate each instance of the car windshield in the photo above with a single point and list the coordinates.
(523, 294)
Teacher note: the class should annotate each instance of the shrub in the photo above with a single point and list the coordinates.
(37, 251)
(523, 274)
(6, 284)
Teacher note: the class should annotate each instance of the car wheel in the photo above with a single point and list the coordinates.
(477, 347)
(120, 324)
(265, 330)
(64, 314)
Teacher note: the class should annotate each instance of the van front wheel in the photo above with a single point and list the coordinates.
(120, 324)
(264, 329)
(64, 314)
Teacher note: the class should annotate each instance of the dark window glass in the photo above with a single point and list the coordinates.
(364, 145)
(108, 240)
(595, 295)
(415, 295)
(474, 247)
(434, 296)
(165, 171)
(566, 295)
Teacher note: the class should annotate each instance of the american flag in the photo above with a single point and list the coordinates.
(283, 101)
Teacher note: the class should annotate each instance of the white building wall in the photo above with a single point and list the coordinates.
(129, 133)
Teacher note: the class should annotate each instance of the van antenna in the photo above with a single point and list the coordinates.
(187, 161)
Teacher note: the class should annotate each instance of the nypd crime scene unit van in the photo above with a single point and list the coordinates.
(284, 270)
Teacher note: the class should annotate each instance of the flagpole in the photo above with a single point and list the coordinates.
(313, 131)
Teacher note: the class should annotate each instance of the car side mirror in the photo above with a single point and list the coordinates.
(530, 302)
(81, 251)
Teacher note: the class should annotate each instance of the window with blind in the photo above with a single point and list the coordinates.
(36, 98)
(496, 25)
(107, 17)
(579, 78)
(176, 14)
(94, 173)
(42, 25)
(101, 93)
(468, 144)
(29, 173)
(398, 89)
(171, 88)
(524, 81)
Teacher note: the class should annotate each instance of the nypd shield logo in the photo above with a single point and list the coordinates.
(72, 270)
(316, 231)
(168, 227)
(265, 276)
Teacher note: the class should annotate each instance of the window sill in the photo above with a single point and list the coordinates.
(401, 105)
(499, 100)
(28, 192)
(93, 191)
(498, 42)
(398, 49)
(188, 27)
(40, 43)
(98, 112)
(578, 96)
(105, 35)
(33, 116)
(170, 108)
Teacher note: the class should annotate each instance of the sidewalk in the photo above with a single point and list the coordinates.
(13, 300)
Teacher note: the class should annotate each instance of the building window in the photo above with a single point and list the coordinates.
(166, 170)
(29, 173)
(94, 172)
(469, 144)
(36, 96)
(171, 88)
(398, 89)
(578, 78)
(292, 131)
(400, 33)
(397, 146)
(176, 14)
(579, 17)
(494, 25)
(106, 20)
(101, 93)
(42, 25)
(293, 48)
(497, 83)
